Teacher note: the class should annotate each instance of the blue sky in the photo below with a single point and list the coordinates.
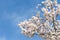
(11, 13)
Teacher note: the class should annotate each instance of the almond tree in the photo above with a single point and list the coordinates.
(48, 27)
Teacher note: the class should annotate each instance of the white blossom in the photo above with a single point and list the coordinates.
(47, 27)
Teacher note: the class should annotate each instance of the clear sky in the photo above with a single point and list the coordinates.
(11, 13)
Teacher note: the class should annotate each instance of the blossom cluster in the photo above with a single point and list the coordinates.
(47, 27)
